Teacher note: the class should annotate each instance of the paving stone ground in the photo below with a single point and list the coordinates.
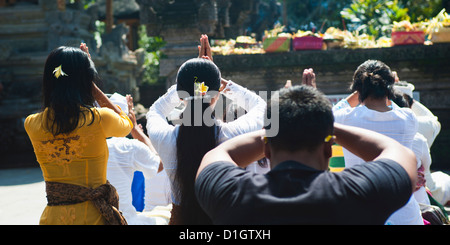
(22, 196)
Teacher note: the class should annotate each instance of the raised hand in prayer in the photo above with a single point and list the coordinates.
(131, 113)
(85, 48)
(204, 49)
(395, 74)
(288, 84)
(309, 77)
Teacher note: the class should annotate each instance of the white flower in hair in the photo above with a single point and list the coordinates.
(59, 72)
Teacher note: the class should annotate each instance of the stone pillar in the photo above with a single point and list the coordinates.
(176, 22)
(109, 16)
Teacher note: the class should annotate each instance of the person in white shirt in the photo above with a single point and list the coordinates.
(429, 125)
(233, 112)
(438, 182)
(367, 107)
(181, 147)
(420, 149)
(127, 156)
(157, 191)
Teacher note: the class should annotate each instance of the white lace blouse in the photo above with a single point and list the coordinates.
(164, 135)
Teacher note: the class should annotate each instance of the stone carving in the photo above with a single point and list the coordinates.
(217, 18)
(93, 12)
(148, 14)
(114, 44)
(207, 16)
(69, 28)
(223, 13)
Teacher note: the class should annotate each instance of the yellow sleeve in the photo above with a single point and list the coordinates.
(114, 125)
(29, 124)
(26, 123)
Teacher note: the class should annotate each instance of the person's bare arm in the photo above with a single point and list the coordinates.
(353, 99)
(137, 132)
(97, 93)
(371, 146)
(103, 100)
(240, 150)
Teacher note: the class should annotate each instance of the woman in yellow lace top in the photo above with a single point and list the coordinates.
(69, 135)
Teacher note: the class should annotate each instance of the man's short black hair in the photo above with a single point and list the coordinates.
(305, 118)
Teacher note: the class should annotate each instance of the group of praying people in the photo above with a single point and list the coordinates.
(202, 167)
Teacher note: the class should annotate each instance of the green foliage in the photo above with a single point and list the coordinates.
(374, 17)
(100, 30)
(423, 9)
(88, 3)
(152, 47)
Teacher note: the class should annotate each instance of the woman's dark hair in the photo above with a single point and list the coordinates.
(373, 78)
(66, 96)
(409, 99)
(402, 100)
(194, 141)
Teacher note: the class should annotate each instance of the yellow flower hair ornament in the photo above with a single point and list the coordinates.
(200, 89)
(59, 72)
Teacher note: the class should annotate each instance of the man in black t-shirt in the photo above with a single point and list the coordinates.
(299, 189)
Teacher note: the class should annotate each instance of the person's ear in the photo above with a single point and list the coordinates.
(327, 149)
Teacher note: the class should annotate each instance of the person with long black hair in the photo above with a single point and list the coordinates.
(69, 140)
(182, 147)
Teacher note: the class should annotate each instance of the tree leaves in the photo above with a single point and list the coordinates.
(374, 17)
